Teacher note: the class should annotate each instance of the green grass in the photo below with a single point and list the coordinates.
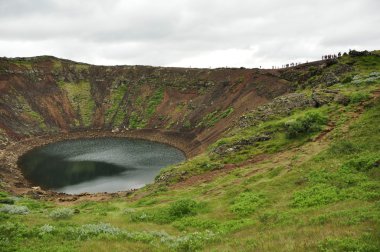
(115, 113)
(57, 65)
(191, 167)
(81, 100)
(81, 67)
(359, 97)
(136, 121)
(146, 109)
(154, 101)
(247, 203)
(212, 118)
(23, 63)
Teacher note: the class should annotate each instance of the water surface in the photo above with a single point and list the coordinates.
(97, 165)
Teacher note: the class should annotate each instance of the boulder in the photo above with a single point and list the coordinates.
(239, 145)
(321, 97)
(328, 79)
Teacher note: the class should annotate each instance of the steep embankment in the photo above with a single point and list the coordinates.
(49, 95)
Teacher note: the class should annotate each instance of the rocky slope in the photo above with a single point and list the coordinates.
(47, 95)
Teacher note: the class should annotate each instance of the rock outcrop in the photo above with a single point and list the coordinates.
(280, 106)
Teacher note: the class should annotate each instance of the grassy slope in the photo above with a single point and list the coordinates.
(79, 95)
(307, 194)
(114, 112)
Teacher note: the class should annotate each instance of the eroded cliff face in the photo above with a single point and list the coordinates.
(47, 95)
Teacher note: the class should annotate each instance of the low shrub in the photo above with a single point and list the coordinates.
(12, 209)
(308, 123)
(368, 190)
(182, 208)
(343, 178)
(317, 195)
(363, 163)
(193, 241)
(176, 210)
(90, 230)
(46, 229)
(61, 213)
(246, 203)
(294, 128)
(187, 242)
(359, 97)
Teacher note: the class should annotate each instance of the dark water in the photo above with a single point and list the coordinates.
(97, 165)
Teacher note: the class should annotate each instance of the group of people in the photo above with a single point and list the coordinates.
(331, 56)
(324, 57)
(287, 65)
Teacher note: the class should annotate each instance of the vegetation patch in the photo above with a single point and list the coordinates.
(115, 113)
(212, 118)
(247, 203)
(139, 119)
(359, 97)
(81, 100)
(61, 213)
(176, 210)
(13, 209)
(317, 195)
(309, 122)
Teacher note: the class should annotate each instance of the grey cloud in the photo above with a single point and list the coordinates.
(163, 32)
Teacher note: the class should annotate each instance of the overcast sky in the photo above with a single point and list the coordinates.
(197, 33)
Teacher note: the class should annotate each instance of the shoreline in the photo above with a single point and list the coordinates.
(14, 182)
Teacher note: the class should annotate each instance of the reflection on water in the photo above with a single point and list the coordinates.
(97, 165)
